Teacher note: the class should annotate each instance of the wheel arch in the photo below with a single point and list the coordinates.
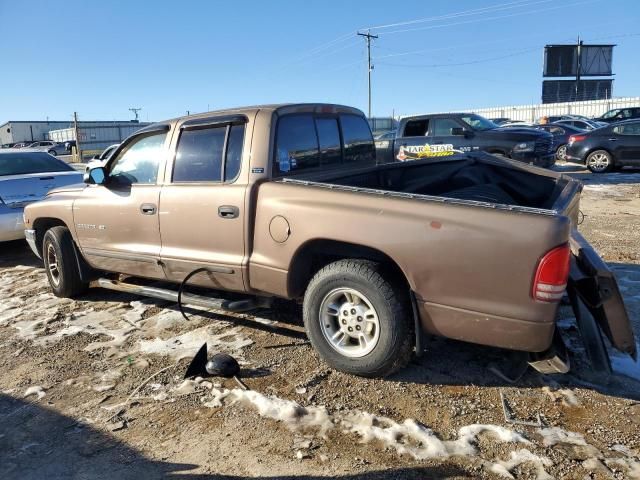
(41, 225)
(315, 254)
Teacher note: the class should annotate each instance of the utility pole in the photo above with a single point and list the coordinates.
(578, 67)
(77, 135)
(135, 112)
(368, 38)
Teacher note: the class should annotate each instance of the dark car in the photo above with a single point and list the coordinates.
(606, 148)
(561, 134)
(500, 120)
(443, 134)
(582, 124)
(619, 114)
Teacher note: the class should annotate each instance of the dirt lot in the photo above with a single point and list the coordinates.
(77, 400)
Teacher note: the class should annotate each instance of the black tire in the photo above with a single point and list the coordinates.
(53, 152)
(394, 344)
(64, 276)
(561, 153)
(595, 161)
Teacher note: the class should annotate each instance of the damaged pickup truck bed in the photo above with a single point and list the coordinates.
(287, 201)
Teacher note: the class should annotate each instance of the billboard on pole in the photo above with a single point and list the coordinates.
(562, 60)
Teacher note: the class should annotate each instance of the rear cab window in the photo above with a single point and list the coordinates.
(311, 141)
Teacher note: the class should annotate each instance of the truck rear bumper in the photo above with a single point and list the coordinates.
(485, 329)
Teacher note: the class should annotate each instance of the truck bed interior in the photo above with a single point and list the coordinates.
(466, 179)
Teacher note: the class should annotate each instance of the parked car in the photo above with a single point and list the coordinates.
(519, 124)
(500, 120)
(606, 148)
(582, 124)
(101, 159)
(469, 246)
(441, 134)
(52, 148)
(25, 177)
(21, 144)
(619, 114)
(561, 134)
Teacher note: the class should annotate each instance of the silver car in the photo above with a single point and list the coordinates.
(53, 148)
(26, 177)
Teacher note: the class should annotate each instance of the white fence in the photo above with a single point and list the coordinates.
(530, 113)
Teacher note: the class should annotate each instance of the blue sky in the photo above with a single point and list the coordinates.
(101, 57)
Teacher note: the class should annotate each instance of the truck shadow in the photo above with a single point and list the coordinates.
(17, 252)
(37, 442)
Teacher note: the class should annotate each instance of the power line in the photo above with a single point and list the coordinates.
(471, 62)
(368, 36)
(464, 13)
(484, 19)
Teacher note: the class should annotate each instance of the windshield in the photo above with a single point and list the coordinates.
(611, 113)
(478, 123)
(31, 162)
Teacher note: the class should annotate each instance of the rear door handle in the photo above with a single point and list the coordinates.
(228, 211)
(613, 139)
(148, 209)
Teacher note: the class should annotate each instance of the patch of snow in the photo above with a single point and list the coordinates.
(186, 344)
(34, 390)
(625, 365)
(418, 441)
(554, 435)
(519, 457)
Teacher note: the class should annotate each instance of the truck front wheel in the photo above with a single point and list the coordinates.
(356, 319)
(60, 263)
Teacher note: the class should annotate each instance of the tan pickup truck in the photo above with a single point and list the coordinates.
(287, 201)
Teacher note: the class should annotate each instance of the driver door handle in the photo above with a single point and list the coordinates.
(613, 139)
(148, 209)
(228, 211)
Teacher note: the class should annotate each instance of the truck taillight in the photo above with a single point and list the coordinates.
(576, 138)
(550, 281)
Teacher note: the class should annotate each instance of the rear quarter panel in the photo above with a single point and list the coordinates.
(474, 258)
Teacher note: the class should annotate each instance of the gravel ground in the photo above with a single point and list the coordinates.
(93, 388)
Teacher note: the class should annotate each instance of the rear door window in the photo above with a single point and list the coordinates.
(357, 138)
(416, 128)
(199, 155)
(296, 144)
(628, 129)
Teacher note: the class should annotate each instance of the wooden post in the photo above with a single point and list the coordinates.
(77, 135)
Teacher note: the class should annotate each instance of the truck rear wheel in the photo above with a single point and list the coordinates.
(356, 320)
(60, 263)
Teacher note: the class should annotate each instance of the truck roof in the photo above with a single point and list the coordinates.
(436, 115)
(274, 107)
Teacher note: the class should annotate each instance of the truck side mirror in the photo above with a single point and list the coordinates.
(95, 176)
(461, 132)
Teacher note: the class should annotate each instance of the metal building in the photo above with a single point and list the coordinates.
(97, 135)
(28, 131)
(94, 135)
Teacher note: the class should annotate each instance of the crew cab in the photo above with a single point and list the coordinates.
(287, 201)
(442, 134)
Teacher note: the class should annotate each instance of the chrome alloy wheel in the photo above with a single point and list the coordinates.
(598, 162)
(561, 153)
(52, 264)
(349, 322)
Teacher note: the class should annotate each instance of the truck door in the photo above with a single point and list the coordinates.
(448, 131)
(116, 222)
(202, 204)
